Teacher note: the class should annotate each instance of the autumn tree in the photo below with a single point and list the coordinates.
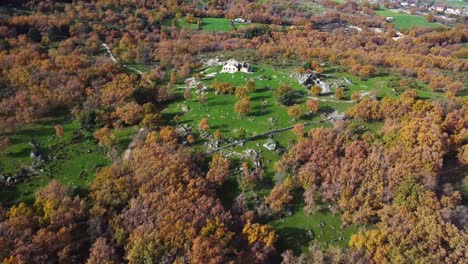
(243, 106)
(223, 87)
(168, 134)
(109, 191)
(261, 239)
(202, 98)
(176, 119)
(434, 238)
(190, 18)
(366, 71)
(106, 137)
(356, 96)
(44, 231)
(366, 109)
(283, 90)
(59, 132)
(102, 252)
(187, 94)
(218, 135)
(313, 105)
(280, 195)
(130, 113)
(152, 120)
(339, 93)
(241, 92)
(298, 130)
(316, 67)
(250, 85)
(311, 206)
(248, 177)
(219, 170)
(204, 125)
(285, 93)
(463, 155)
(316, 90)
(429, 18)
(214, 243)
(454, 88)
(295, 111)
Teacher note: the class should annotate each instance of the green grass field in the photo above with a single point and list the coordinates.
(219, 109)
(211, 24)
(406, 21)
(216, 24)
(456, 3)
(297, 230)
(72, 162)
(220, 113)
(378, 85)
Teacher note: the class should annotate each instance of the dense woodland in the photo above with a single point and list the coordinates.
(161, 204)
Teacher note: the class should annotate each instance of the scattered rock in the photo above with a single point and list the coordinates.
(138, 137)
(336, 116)
(270, 144)
(184, 130)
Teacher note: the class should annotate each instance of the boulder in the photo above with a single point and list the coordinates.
(270, 144)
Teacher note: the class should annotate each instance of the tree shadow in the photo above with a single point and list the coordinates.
(260, 97)
(228, 192)
(463, 92)
(262, 90)
(81, 191)
(258, 111)
(326, 110)
(292, 238)
(217, 104)
(22, 153)
(221, 127)
(168, 116)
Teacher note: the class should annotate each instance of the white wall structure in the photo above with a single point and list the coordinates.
(232, 66)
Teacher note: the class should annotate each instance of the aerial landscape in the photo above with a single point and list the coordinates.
(233, 131)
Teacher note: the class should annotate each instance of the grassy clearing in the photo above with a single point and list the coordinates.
(211, 24)
(219, 109)
(378, 84)
(456, 3)
(406, 21)
(216, 24)
(220, 113)
(297, 230)
(73, 161)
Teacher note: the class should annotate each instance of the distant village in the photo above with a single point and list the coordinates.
(441, 12)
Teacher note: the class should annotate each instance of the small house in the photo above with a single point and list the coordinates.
(232, 66)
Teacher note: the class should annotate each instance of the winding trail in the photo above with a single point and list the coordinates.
(330, 100)
(113, 59)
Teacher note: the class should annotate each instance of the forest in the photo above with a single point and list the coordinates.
(124, 140)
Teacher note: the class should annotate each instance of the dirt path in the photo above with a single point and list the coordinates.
(113, 59)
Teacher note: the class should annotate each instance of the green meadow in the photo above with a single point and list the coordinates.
(456, 3)
(407, 21)
(211, 24)
(297, 230)
(73, 160)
